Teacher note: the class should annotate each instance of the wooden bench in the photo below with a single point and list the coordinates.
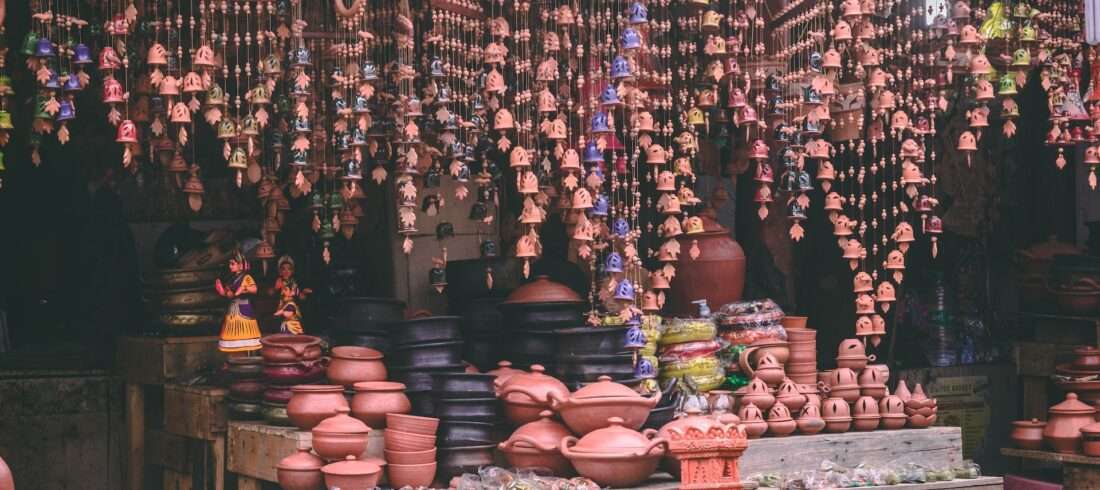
(254, 449)
(1078, 470)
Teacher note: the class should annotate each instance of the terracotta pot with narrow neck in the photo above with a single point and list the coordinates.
(374, 399)
(715, 274)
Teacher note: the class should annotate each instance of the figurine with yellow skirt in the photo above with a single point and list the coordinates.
(240, 330)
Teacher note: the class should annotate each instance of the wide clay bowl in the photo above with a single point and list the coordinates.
(410, 457)
(411, 475)
(412, 423)
(358, 475)
(396, 440)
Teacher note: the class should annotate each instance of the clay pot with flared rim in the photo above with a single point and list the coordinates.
(717, 275)
(290, 348)
(801, 335)
(794, 322)
(536, 445)
(352, 364)
(411, 475)
(1063, 429)
(409, 457)
(301, 471)
(374, 399)
(310, 404)
(340, 436)
(412, 423)
(525, 395)
(1028, 434)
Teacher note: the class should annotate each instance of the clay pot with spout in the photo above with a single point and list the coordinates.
(374, 399)
(1065, 420)
(752, 355)
(310, 404)
(526, 395)
(590, 407)
(537, 445)
(290, 348)
(615, 456)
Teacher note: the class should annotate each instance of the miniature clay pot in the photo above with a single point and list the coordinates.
(590, 407)
(1088, 358)
(1090, 439)
(615, 456)
(758, 394)
(1063, 430)
(352, 364)
(340, 436)
(752, 420)
(537, 445)
(290, 348)
(374, 399)
(301, 471)
(1028, 434)
(352, 475)
(780, 423)
(526, 395)
(810, 421)
(310, 404)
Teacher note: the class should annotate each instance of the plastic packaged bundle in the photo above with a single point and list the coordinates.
(747, 322)
(689, 352)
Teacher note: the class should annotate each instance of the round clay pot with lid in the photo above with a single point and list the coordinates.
(340, 436)
(810, 421)
(753, 420)
(374, 399)
(301, 471)
(1090, 439)
(1065, 420)
(284, 347)
(525, 395)
(789, 395)
(615, 456)
(590, 407)
(758, 394)
(780, 423)
(310, 404)
(1028, 434)
(503, 371)
(351, 474)
(1088, 358)
(537, 445)
(352, 364)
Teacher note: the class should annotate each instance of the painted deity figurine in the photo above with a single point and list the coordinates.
(240, 330)
(289, 311)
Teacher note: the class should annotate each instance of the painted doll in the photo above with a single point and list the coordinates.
(289, 311)
(240, 330)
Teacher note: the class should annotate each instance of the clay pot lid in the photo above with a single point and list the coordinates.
(303, 460)
(542, 290)
(356, 353)
(612, 439)
(536, 381)
(1035, 423)
(378, 386)
(545, 430)
(1072, 406)
(605, 388)
(351, 467)
(504, 371)
(317, 389)
(342, 423)
(1091, 429)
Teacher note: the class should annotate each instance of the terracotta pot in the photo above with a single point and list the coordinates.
(301, 471)
(411, 475)
(340, 436)
(1028, 434)
(351, 365)
(780, 423)
(810, 421)
(865, 423)
(311, 404)
(1065, 420)
(1088, 358)
(590, 407)
(396, 440)
(374, 399)
(526, 395)
(758, 394)
(752, 420)
(503, 371)
(892, 422)
(717, 275)
(241, 368)
(537, 445)
(294, 373)
(839, 425)
(352, 475)
(752, 355)
(290, 348)
(411, 423)
(542, 290)
(788, 395)
(794, 323)
(615, 455)
(853, 363)
(410, 457)
(801, 335)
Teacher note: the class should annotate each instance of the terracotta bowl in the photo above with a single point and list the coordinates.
(410, 457)
(411, 475)
(794, 323)
(396, 440)
(412, 423)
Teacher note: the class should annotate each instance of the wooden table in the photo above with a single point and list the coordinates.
(1078, 470)
(254, 449)
(144, 361)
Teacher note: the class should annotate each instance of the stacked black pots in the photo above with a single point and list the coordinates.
(468, 413)
(246, 387)
(531, 313)
(183, 302)
(420, 348)
(363, 322)
(482, 330)
(585, 353)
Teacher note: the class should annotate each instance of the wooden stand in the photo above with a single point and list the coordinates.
(1078, 470)
(144, 361)
(255, 449)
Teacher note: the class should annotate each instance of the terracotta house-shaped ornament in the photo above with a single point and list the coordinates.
(708, 451)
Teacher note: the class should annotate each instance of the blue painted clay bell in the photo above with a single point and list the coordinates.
(630, 39)
(811, 96)
(301, 57)
(361, 106)
(620, 68)
(613, 263)
(53, 82)
(599, 123)
(44, 48)
(805, 183)
(637, 14)
(795, 210)
(625, 291)
(610, 97)
(436, 67)
(592, 153)
(82, 55)
(352, 169)
(301, 125)
(600, 206)
(299, 158)
(620, 227)
(66, 111)
(635, 338)
(72, 84)
(644, 369)
(369, 71)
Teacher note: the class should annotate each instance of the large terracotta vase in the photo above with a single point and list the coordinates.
(716, 274)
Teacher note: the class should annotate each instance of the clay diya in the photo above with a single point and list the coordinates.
(310, 404)
(526, 395)
(340, 436)
(537, 445)
(615, 456)
(301, 471)
(1063, 430)
(590, 407)
(920, 409)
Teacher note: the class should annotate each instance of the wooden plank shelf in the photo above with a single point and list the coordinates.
(1078, 470)
(934, 446)
(254, 449)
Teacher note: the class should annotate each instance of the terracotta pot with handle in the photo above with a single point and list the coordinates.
(290, 348)
(615, 456)
(537, 445)
(525, 395)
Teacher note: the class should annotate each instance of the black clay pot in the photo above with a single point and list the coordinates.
(463, 385)
(419, 378)
(591, 367)
(186, 323)
(534, 344)
(467, 409)
(542, 316)
(591, 340)
(482, 317)
(366, 314)
(422, 402)
(455, 461)
(427, 355)
(375, 340)
(482, 352)
(426, 330)
(467, 279)
(453, 433)
(659, 416)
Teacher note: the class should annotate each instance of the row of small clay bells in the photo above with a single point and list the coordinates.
(844, 383)
(789, 393)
